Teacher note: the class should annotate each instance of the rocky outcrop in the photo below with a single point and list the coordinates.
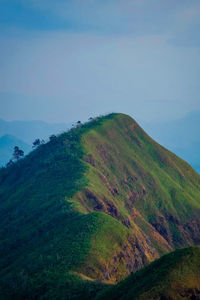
(134, 255)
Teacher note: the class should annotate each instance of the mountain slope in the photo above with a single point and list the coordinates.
(147, 188)
(7, 144)
(175, 276)
(97, 202)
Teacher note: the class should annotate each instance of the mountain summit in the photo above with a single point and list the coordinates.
(95, 203)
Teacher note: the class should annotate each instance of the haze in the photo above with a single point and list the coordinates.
(67, 60)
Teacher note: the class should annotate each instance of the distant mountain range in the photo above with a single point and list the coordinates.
(7, 144)
(92, 205)
(181, 136)
(23, 133)
(28, 131)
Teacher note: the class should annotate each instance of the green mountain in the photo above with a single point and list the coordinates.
(7, 144)
(91, 206)
(175, 276)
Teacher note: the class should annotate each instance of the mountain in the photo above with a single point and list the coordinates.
(7, 143)
(180, 136)
(91, 206)
(28, 131)
(175, 276)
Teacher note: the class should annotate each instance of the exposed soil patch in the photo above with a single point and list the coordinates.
(90, 159)
(162, 228)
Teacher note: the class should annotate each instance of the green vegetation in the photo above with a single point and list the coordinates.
(89, 207)
(137, 177)
(41, 236)
(174, 276)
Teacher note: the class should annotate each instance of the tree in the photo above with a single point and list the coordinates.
(52, 137)
(10, 163)
(36, 143)
(17, 153)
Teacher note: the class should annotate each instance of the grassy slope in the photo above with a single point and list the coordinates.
(43, 241)
(172, 277)
(57, 208)
(142, 181)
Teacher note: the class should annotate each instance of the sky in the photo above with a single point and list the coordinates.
(68, 60)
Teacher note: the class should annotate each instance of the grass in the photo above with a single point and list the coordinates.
(41, 236)
(123, 153)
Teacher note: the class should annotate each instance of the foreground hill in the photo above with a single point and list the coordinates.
(95, 203)
(175, 276)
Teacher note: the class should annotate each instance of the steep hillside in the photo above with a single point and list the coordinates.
(7, 144)
(148, 189)
(95, 203)
(175, 276)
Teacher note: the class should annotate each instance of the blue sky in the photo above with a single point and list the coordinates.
(67, 60)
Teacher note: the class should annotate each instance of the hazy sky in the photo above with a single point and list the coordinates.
(66, 60)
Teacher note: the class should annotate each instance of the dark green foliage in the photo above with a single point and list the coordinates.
(36, 143)
(10, 163)
(52, 137)
(42, 271)
(17, 153)
(41, 237)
